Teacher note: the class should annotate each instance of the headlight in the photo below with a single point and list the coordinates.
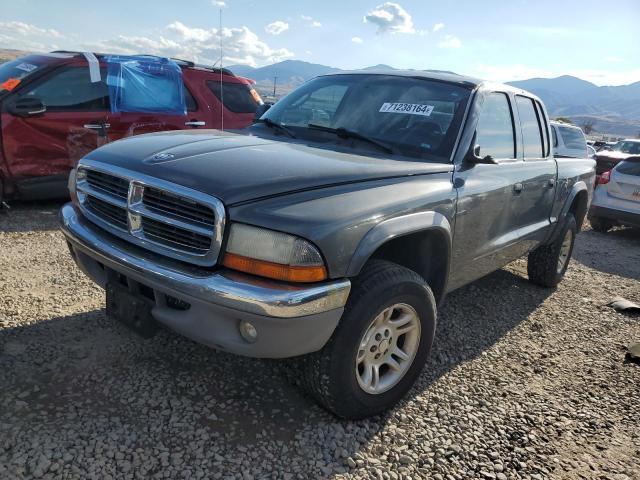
(273, 254)
(76, 175)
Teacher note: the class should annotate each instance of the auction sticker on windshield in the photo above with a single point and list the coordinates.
(410, 108)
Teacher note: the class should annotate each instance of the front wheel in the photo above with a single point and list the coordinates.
(547, 264)
(380, 346)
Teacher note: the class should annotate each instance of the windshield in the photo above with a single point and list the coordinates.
(627, 147)
(414, 117)
(12, 73)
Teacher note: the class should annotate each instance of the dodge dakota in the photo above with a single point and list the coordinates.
(333, 227)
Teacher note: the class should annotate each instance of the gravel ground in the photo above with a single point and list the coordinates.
(522, 383)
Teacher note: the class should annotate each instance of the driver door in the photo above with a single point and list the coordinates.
(40, 148)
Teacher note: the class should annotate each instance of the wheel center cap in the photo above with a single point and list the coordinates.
(384, 344)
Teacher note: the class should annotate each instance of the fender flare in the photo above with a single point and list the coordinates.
(579, 186)
(398, 227)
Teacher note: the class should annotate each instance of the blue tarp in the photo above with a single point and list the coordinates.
(145, 84)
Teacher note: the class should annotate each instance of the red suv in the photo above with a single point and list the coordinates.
(52, 115)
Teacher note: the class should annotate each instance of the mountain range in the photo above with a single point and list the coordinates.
(611, 110)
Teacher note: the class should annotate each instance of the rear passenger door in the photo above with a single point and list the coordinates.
(533, 203)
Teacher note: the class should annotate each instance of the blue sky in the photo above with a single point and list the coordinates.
(497, 40)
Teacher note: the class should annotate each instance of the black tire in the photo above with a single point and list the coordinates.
(329, 375)
(542, 265)
(601, 225)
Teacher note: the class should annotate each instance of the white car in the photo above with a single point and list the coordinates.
(616, 200)
(569, 141)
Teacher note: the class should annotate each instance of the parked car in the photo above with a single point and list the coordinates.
(617, 198)
(569, 141)
(52, 115)
(624, 149)
(333, 228)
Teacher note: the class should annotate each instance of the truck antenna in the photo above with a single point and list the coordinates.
(221, 89)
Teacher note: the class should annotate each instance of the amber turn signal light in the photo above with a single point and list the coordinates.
(286, 273)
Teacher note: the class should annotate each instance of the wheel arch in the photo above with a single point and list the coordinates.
(418, 241)
(576, 203)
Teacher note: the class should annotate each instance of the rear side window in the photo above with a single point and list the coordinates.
(544, 126)
(629, 168)
(531, 131)
(573, 138)
(236, 97)
(71, 90)
(189, 101)
(495, 128)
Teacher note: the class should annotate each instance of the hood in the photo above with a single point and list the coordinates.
(614, 155)
(240, 167)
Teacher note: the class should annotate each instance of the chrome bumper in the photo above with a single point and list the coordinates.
(224, 288)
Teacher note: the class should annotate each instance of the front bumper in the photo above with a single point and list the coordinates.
(290, 319)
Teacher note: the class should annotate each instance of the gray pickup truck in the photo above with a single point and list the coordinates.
(332, 228)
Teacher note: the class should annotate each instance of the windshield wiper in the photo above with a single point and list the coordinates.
(277, 126)
(344, 133)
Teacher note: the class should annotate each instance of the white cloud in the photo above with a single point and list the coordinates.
(357, 40)
(614, 59)
(277, 27)
(24, 36)
(390, 17)
(450, 41)
(438, 26)
(311, 20)
(25, 29)
(240, 45)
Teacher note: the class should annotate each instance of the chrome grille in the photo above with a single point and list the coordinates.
(116, 186)
(170, 204)
(115, 215)
(163, 217)
(174, 236)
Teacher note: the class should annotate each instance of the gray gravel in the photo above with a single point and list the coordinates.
(522, 383)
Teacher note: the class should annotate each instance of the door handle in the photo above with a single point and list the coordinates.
(195, 123)
(97, 126)
(518, 187)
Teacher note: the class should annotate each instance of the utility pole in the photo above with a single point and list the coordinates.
(275, 80)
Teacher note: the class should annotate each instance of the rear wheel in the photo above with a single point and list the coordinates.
(601, 225)
(547, 264)
(380, 346)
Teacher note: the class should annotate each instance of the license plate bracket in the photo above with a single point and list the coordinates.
(130, 309)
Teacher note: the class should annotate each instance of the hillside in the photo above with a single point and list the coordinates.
(614, 110)
(8, 54)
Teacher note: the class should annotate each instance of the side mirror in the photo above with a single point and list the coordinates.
(474, 156)
(27, 107)
(261, 110)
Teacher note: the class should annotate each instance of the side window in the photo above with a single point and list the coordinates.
(495, 128)
(545, 129)
(71, 90)
(555, 136)
(531, 133)
(189, 101)
(573, 138)
(237, 97)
